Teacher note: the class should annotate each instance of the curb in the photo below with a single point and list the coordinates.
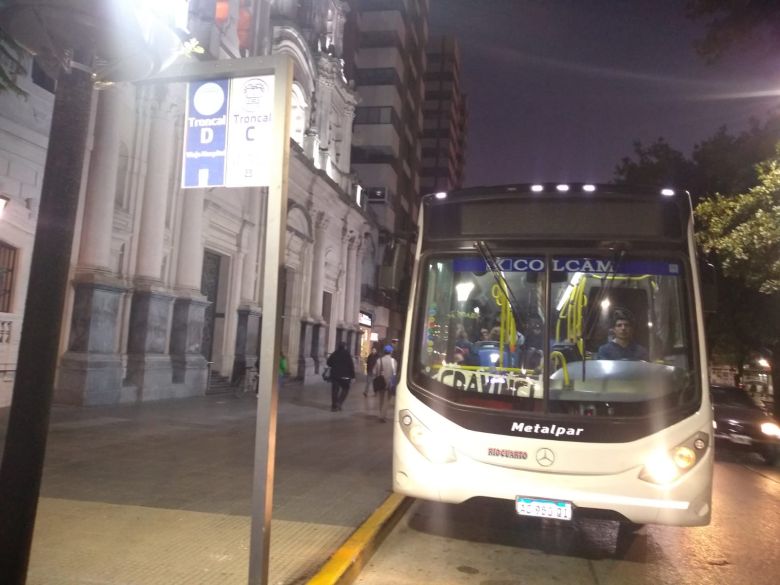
(345, 564)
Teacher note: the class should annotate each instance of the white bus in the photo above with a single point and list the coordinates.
(554, 356)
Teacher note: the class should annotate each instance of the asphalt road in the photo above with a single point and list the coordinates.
(484, 543)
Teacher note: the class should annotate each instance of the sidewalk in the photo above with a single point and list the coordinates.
(160, 493)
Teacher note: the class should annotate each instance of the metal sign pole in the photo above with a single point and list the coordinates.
(273, 265)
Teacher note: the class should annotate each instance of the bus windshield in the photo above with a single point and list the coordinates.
(611, 337)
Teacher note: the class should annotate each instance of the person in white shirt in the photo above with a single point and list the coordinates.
(385, 372)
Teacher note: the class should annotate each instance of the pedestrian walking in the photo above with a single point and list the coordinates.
(385, 375)
(342, 372)
(370, 365)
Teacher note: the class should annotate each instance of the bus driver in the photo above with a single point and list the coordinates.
(622, 346)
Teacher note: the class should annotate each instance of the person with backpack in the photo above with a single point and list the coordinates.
(385, 372)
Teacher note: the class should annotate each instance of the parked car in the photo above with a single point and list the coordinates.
(742, 423)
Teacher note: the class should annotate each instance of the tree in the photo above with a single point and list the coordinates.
(656, 165)
(744, 230)
(736, 23)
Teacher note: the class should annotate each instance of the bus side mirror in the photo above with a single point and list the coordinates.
(709, 287)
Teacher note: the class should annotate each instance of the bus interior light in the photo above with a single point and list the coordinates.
(667, 192)
(441, 195)
(589, 188)
(562, 188)
(537, 188)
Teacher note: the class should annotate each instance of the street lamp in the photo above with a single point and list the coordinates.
(82, 42)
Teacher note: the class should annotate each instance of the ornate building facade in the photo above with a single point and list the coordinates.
(166, 282)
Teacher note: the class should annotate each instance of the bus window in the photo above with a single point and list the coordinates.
(482, 332)
(620, 342)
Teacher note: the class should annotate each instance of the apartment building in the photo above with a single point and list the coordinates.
(445, 117)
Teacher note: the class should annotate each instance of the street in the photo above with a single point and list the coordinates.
(485, 543)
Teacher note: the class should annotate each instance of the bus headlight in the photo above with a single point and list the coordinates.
(430, 445)
(771, 429)
(664, 467)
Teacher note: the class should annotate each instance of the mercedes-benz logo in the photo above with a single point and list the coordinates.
(545, 457)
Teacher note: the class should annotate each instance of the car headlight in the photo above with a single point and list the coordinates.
(429, 444)
(664, 467)
(771, 429)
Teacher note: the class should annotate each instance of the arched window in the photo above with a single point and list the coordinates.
(299, 114)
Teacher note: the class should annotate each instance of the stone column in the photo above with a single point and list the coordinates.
(97, 224)
(148, 363)
(361, 249)
(189, 367)
(341, 305)
(91, 370)
(252, 239)
(158, 170)
(248, 314)
(350, 316)
(315, 303)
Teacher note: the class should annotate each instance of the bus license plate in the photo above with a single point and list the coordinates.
(543, 508)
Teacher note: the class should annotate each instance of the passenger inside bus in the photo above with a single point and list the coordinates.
(622, 346)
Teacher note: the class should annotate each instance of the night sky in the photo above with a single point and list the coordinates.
(559, 90)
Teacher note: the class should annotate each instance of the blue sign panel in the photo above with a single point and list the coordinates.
(205, 134)
(630, 267)
(523, 264)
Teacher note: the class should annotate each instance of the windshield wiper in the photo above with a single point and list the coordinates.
(487, 255)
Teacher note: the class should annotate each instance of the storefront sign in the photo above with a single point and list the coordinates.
(227, 132)
(365, 319)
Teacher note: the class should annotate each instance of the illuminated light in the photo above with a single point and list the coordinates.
(761, 361)
(667, 192)
(493, 358)
(649, 324)
(441, 195)
(715, 424)
(684, 457)
(589, 188)
(562, 188)
(605, 305)
(608, 366)
(374, 337)
(770, 428)
(428, 444)
(439, 266)
(537, 188)
(4, 199)
(463, 290)
(660, 468)
(476, 310)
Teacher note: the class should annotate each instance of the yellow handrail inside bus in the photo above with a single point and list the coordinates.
(557, 355)
(507, 325)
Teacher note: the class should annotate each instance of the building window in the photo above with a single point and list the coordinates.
(374, 115)
(7, 265)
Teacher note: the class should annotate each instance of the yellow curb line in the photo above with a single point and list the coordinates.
(349, 559)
